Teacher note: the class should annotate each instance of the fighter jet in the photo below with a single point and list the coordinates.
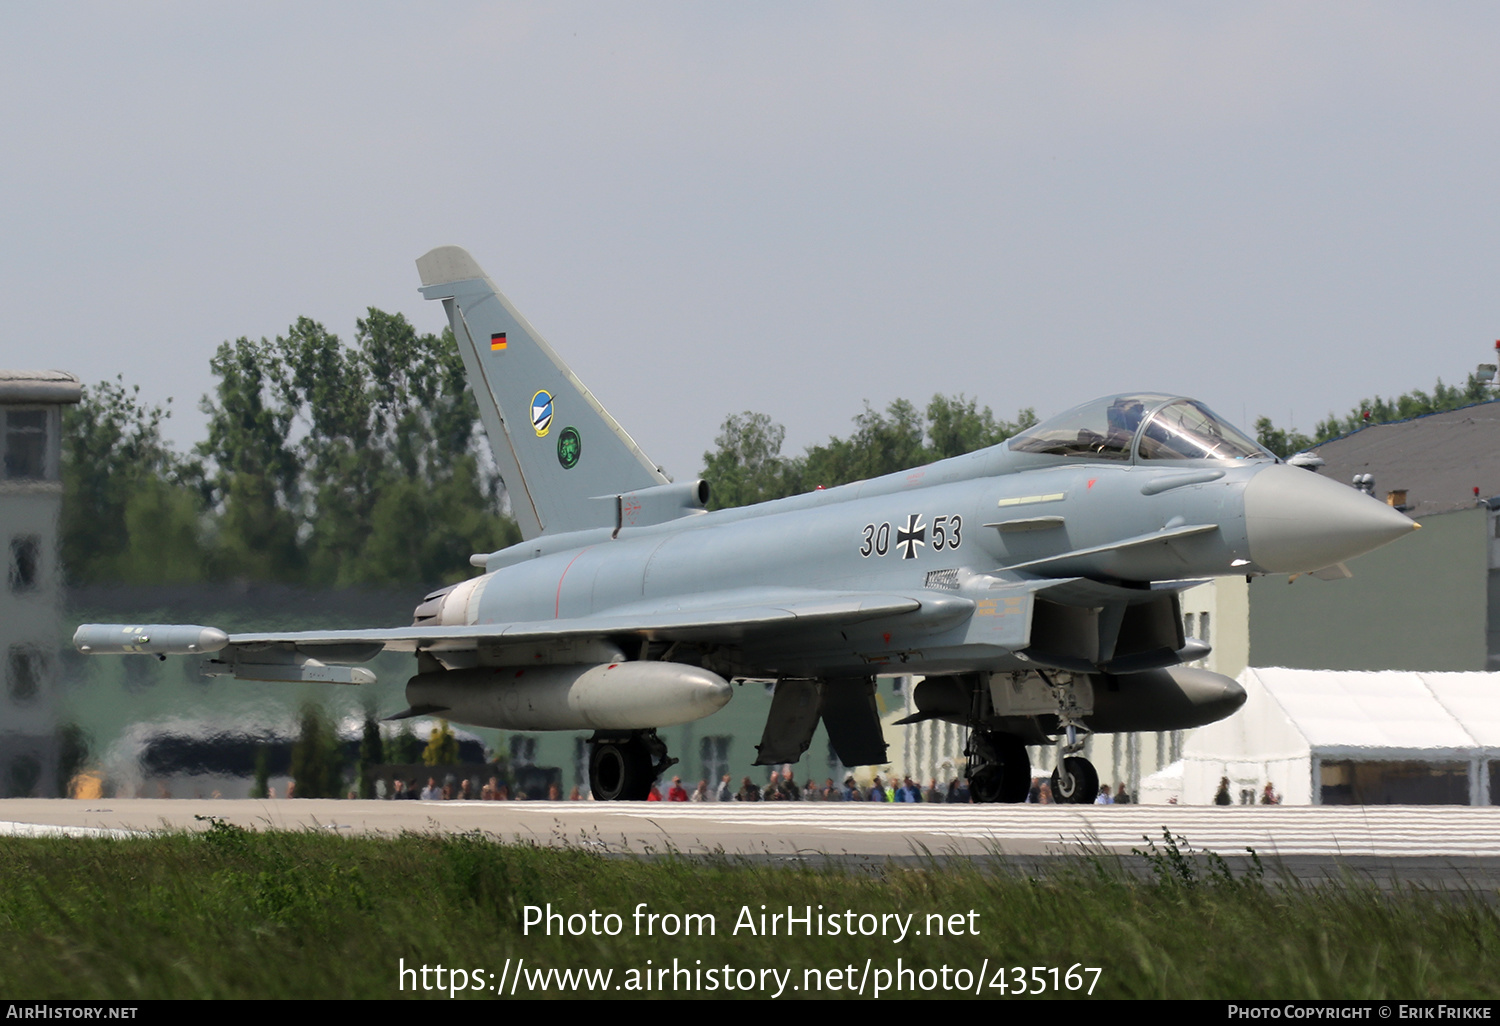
(1033, 585)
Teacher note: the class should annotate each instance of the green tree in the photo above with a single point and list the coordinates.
(404, 749)
(317, 760)
(261, 788)
(1378, 410)
(254, 475)
(434, 504)
(325, 464)
(1282, 443)
(130, 511)
(882, 443)
(956, 425)
(337, 465)
(442, 746)
(1405, 406)
(371, 754)
(747, 466)
(325, 396)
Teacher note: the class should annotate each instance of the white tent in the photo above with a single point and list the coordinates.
(1342, 737)
(1164, 787)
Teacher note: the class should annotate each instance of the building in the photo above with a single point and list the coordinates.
(31, 743)
(1431, 601)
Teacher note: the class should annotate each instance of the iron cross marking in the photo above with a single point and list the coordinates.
(911, 535)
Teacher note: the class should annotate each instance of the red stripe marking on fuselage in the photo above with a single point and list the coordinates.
(557, 606)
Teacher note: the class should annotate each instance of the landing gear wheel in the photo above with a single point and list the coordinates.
(1001, 768)
(987, 785)
(1017, 782)
(1083, 778)
(620, 771)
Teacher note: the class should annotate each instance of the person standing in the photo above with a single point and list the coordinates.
(773, 792)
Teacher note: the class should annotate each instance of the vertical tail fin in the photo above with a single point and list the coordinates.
(557, 449)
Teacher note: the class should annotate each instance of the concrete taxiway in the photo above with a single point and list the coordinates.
(1425, 844)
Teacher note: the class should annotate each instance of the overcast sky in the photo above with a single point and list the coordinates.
(789, 208)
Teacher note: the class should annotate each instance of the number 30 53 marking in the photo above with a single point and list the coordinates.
(947, 533)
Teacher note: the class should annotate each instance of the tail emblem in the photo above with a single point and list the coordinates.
(541, 412)
(569, 448)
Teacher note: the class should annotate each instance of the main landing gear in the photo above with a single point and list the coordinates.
(623, 766)
(999, 769)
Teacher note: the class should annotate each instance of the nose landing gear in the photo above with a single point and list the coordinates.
(1079, 785)
(1075, 781)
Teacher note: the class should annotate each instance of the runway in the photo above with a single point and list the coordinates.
(1399, 842)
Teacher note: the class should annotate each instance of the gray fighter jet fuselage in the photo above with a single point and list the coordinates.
(1032, 584)
(937, 540)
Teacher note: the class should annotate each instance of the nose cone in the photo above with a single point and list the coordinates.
(1297, 521)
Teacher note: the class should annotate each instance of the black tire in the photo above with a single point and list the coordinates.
(1005, 775)
(620, 771)
(1016, 783)
(1085, 783)
(988, 785)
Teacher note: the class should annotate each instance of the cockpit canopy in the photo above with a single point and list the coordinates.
(1143, 424)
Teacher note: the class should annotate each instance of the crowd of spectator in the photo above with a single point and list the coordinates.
(781, 787)
(462, 789)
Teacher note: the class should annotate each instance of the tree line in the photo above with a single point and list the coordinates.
(747, 465)
(336, 465)
(1416, 403)
(326, 465)
(318, 764)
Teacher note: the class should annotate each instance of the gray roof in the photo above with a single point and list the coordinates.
(1439, 458)
(47, 386)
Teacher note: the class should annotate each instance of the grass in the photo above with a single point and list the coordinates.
(230, 913)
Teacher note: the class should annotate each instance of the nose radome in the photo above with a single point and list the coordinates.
(1297, 521)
